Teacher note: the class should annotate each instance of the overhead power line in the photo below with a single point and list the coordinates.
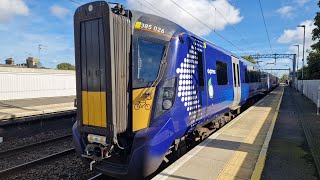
(232, 26)
(265, 25)
(147, 7)
(207, 26)
(75, 2)
(156, 8)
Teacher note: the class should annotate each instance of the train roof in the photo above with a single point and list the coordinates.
(174, 28)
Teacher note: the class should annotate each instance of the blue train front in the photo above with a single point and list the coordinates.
(146, 87)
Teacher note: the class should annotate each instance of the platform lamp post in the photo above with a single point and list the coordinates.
(304, 42)
(297, 58)
(297, 45)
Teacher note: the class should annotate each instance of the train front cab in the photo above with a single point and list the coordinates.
(131, 143)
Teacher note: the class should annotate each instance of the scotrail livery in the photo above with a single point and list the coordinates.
(148, 88)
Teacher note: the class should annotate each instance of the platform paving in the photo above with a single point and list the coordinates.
(234, 150)
(294, 149)
(11, 109)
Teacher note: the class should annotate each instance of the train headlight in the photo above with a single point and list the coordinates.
(165, 97)
(167, 104)
(168, 94)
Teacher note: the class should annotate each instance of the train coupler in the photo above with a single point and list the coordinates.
(97, 152)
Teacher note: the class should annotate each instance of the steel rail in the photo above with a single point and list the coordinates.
(18, 168)
(32, 146)
(96, 176)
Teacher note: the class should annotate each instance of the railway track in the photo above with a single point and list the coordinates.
(100, 175)
(31, 149)
(32, 146)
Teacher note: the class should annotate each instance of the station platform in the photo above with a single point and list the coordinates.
(233, 151)
(294, 149)
(13, 109)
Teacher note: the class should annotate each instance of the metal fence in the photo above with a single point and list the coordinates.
(311, 89)
(23, 83)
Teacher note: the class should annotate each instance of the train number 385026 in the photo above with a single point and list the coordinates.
(152, 27)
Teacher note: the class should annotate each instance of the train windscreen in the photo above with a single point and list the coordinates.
(146, 62)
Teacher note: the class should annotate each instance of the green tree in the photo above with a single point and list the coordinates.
(249, 58)
(284, 78)
(39, 65)
(312, 71)
(65, 66)
(305, 73)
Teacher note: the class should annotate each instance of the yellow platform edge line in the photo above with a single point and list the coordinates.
(257, 172)
(165, 174)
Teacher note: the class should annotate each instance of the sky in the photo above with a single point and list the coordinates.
(26, 24)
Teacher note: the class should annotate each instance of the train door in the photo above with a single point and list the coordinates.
(236, 82)
(197, 101)
(202, 85)
(268, 81)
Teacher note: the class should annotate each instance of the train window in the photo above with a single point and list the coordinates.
(234, 75)
(200, 69)
(247, 76)
(238, 75)
(222, 73)
(147, 63)
(253, 76)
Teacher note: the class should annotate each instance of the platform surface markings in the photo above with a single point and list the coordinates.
(246, 160)
(179, 163)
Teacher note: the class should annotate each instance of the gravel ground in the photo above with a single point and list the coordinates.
(13, 142)
(21, 135)
(34, 154)
(68, 167)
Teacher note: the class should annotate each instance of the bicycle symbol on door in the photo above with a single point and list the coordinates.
(142, 104)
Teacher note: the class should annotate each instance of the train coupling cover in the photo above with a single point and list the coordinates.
(98, 149)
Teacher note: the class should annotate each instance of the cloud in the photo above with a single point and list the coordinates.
(296, 35)
(301, 2)
(11, 8)
(286, 11)
(58, 11)
(201, 9)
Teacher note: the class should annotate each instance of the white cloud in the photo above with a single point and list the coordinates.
(296, 35)
(58, 11)
(286, 11)
(11, 8)
(201, 9)
(301, 2)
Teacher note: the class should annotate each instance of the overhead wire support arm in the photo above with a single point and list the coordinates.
(279, 69)
(274, 56)
(279, 56)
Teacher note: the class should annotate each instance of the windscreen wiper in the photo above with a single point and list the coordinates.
(163, 64)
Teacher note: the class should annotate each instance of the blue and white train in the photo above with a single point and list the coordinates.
(147, 88)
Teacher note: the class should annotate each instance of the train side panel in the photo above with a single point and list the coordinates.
(220, 81)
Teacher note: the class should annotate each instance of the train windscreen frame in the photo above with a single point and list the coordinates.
(148, 53)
